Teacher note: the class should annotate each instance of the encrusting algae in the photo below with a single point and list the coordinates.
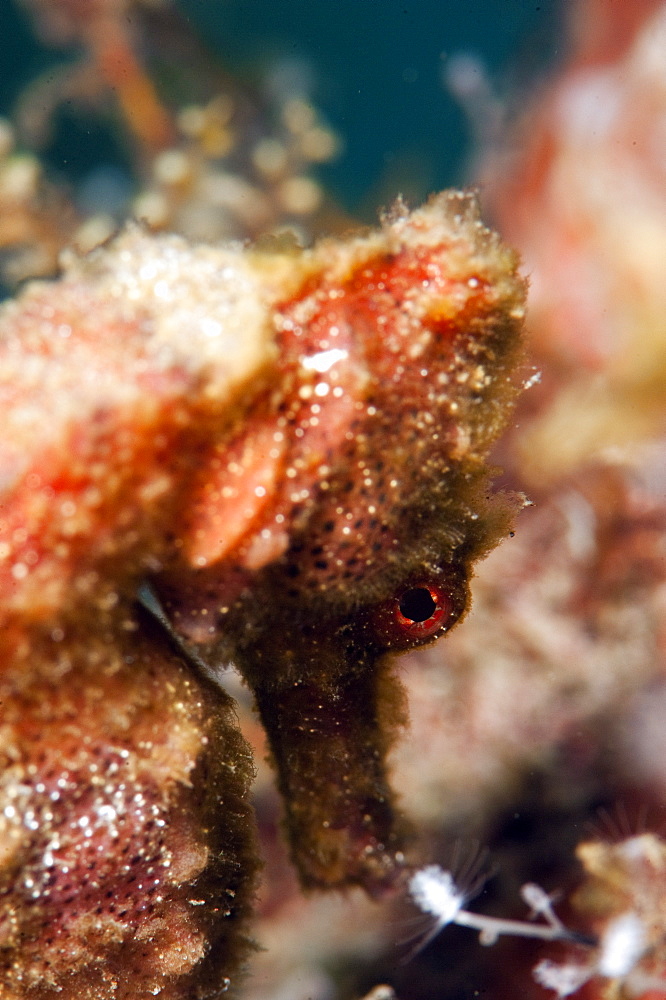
(289, 450)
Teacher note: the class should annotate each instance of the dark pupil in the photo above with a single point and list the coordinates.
(417, 604)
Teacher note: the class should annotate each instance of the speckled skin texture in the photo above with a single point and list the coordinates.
(107, 888)
(127, 851)
(291, 450)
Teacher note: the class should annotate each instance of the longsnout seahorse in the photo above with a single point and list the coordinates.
(289, 448)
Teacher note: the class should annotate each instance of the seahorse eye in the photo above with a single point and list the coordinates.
(419, 611)
(422, 610)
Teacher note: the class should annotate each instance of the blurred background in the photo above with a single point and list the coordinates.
(381, 73)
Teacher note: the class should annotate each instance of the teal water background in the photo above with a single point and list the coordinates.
(374, 68)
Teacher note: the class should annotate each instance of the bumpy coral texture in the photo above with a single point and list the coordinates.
(625, 886)
(291, 449)
(622, 898)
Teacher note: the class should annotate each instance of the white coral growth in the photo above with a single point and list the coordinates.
(630, 950)
(436, 892)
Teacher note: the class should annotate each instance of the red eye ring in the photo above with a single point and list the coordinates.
(422, 609)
